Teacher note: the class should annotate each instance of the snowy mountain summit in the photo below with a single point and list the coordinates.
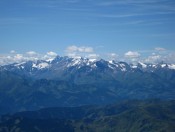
(66, 62)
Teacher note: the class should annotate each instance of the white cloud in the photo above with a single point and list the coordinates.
(82, 49)
(153, 56)
(112, 56)
(51, 53)
(71, 49)
(31, 53)
(154, 59)
(87, 49)
(131, 54)
(12, 51)
(28, 56)
(170, 58)
(93, 56)
(9, 59)
(153, 53)
(167, 57)
(18, 57)
(73, 55)
(160, 49)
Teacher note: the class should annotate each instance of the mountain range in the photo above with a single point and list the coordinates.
(55, 68)
(65, 82)
(81, 94)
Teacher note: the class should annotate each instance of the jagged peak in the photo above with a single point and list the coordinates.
(67, 62)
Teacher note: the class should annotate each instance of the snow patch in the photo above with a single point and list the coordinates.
(154, 66)
(111, 62)
(50, 60)
(75, 62)
(163, 65)
(172, 66)
(110, 66)
(19, 64)
(123, 67)
(143, 65)
(94, 65)
(41, 65)
(34, 66)
(92, 60)
(134, 67)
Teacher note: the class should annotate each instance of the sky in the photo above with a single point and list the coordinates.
(130, 30)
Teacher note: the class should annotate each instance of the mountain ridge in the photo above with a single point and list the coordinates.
(76, 82)
(41, 64)
(133, 115)
(62, 65)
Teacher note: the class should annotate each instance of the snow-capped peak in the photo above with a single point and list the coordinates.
(19, 64)
(82, 62)
(171, 66)
(40, 65)
(143, 65)
(50, 60)
(134, 66)
(92, 60)
(163, 65)
(63, 63)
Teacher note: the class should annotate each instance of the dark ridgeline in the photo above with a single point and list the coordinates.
(135, 116)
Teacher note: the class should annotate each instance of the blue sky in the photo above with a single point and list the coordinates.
(107, 26)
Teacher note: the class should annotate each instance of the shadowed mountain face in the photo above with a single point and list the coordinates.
(74, 82)
(137, 116)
